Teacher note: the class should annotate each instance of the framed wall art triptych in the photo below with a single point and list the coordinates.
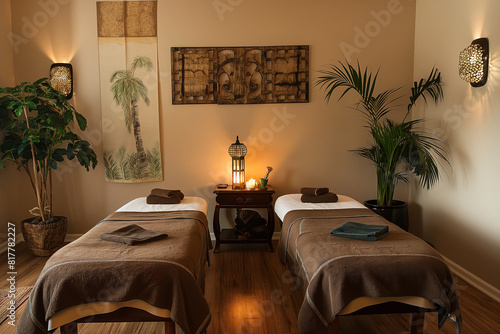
(240, 75)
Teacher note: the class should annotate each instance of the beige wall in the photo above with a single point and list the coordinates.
(6, 56)
(307, 144)
(8, 178)
(460, 216)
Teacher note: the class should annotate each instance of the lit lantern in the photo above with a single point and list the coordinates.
(237, 151)
(61, 79)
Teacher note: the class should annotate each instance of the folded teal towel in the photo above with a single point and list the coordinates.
(360, 231)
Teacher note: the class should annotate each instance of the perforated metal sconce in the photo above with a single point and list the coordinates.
(61, 78)
(237, 151)
(473, 62)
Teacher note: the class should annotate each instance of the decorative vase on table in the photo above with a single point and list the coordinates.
(263, 180)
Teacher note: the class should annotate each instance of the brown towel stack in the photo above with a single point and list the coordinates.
(132, 235)
(250, 225)
(318, 195)
(164, 196)
(314, 191)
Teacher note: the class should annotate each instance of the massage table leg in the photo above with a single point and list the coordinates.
(417, 323)
(69, 328)
(72, 328)
(334, 328)
(169, 327)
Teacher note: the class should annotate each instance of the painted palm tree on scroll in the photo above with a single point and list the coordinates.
(127, 91)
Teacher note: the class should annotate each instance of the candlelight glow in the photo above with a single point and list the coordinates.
(250, 184)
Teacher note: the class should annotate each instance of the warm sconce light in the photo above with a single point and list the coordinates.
(237, 151)
(61, 78)
(473, 62)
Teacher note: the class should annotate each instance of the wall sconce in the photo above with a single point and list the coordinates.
(61, 78)
(237, 151)
(473, 62)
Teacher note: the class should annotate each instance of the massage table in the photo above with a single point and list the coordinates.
(398, 273)
(92, 280)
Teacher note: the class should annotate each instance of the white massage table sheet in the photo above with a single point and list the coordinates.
(287, 203)
(187, 204)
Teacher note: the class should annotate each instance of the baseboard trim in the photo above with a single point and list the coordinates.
(473, 280)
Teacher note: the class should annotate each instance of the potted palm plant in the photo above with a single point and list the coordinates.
(36, 123)
(399, 149)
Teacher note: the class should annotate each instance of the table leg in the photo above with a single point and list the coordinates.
(270, 226)
(334, 328)
(69, 328)
(169, 327)
(417, 323)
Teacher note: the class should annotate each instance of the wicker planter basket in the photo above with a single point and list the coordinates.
(44, 239)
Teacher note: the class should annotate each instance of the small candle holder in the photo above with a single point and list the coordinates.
(250, 184)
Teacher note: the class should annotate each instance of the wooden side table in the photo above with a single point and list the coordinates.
(242, 198)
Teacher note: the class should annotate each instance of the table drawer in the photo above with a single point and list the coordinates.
(244, 199)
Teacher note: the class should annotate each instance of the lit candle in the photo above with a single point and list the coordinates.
(250, 184)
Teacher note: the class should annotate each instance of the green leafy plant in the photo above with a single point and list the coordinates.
(36, 123)
(394, 144)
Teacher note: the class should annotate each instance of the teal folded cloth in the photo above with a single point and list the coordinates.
(360, 231)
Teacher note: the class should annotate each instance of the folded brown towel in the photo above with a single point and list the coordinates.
(155, 199)
(167, 193)
(132, 235)
(325, 198)
(314, 191)
(246, 215)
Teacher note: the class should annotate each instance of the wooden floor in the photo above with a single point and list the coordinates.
(249, 291)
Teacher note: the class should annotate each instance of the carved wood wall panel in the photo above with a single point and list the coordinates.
(240, 75)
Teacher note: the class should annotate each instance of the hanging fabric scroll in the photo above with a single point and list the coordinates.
(127, 33)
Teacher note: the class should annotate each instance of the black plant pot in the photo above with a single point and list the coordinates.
(396, 213)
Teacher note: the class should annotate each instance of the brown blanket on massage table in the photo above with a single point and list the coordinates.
(339, 270)
(167, 273)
